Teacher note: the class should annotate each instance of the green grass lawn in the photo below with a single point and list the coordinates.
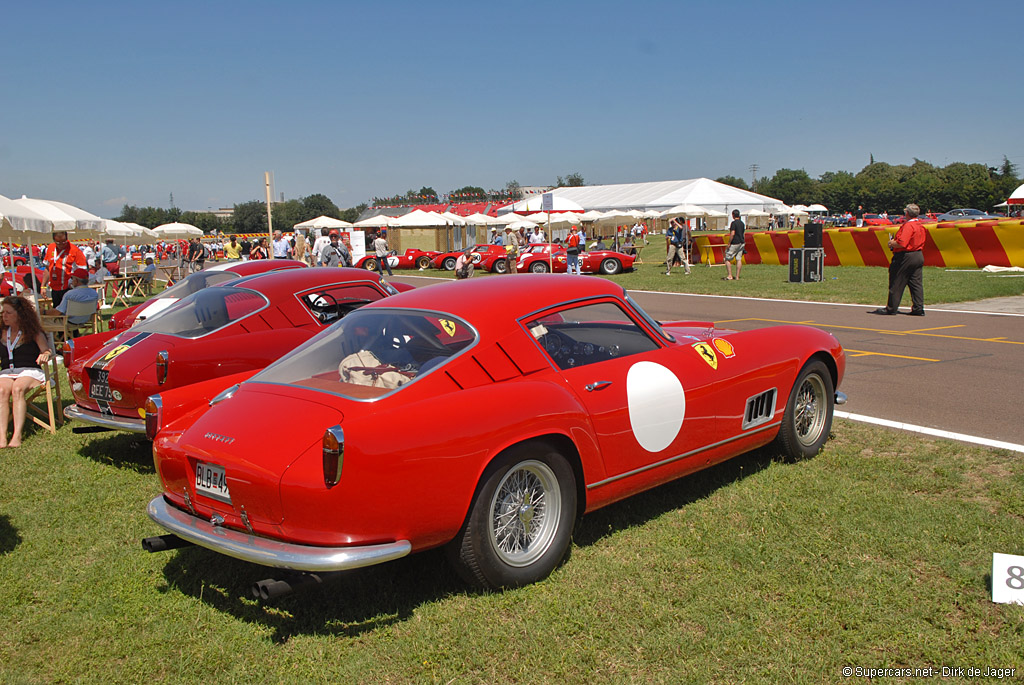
(874, 553)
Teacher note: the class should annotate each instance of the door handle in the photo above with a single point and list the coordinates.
(599, 385)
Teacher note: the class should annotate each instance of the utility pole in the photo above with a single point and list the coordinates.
(753, 176)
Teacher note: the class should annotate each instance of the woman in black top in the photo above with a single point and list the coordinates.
(24, 347)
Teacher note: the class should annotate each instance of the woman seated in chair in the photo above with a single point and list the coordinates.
(24, 348)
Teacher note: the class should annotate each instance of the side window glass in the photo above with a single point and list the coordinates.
(589, 334)
(333, 303)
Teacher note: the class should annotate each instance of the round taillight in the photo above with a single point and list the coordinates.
(333, 455)
(67, 351)
(154, 415)
(162, 359)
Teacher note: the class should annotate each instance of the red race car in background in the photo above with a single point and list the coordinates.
(540, 258)
(412, 258)
(194, 282)
(395, 443)
(492, 258)
(223, 329)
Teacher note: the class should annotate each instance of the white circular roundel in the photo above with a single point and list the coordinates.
(657, 405)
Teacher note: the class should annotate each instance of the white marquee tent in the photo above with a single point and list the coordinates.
(662, 195)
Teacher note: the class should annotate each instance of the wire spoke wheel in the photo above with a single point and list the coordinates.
(524, 513)
(810, 412)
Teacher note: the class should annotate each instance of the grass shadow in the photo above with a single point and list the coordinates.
(639, 509)
(349, 605)
(123, 450)
(9, 537)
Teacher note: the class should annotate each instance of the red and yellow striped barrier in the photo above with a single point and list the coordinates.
(970, 244)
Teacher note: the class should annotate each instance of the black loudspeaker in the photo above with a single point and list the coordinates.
(812, 235)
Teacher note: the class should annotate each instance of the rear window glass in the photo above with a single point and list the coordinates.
(193, 283)
(372, 352)
(204, 312)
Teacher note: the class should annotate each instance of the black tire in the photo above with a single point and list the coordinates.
(370, 264)
(448, 264)
(519, 527)
(423, 262)
(610, 266)
(539, 267)
(500, 266)
(808, 418)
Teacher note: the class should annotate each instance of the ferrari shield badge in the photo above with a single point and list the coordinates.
(448, 326)
(707, 354)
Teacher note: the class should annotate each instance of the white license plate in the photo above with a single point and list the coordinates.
(210, 481)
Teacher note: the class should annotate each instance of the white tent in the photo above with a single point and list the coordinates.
(420, 218)
(379, 220)
(508, 218)
(661, 195)
(535, 203)
(817, 208)
(322, 222)
(687, 210)
(478, 219)
(1016, 197)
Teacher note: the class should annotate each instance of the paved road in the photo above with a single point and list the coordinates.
(956, 369)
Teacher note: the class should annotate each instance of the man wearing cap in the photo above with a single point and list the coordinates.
(62, 258)
(80, 292)
(513, 241)
(335, 253)
(496, 238)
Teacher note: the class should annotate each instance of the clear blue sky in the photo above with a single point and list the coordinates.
(127, 102)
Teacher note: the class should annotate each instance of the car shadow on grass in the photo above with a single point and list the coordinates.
(123, 450)
(364, 600)
(647, 506)
(348, 605)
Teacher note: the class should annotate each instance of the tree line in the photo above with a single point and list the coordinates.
(890, 187)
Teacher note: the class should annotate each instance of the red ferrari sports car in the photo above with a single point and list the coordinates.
(410, 259)
(241, 325)
(220, 273)
(492, 258)
(542, 257)
(435, 418)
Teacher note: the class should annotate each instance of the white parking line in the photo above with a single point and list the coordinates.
(931, 431)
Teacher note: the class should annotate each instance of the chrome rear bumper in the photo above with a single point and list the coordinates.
(269, 552)
(122, 423)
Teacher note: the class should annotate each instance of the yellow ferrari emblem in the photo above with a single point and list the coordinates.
(448, 326)
(114, 352)
(707, 354)
(725, 347)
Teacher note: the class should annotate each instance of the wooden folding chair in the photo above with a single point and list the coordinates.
(59, 324)
(53, 415)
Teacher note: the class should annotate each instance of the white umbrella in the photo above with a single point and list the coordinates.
(592, 215)
(373, 221)
(143, 234)
(571, 218)
(454, 219)
(17, 219)
(538, 217)
(323, 222)
(178, 230)
(817, 208)
(62, 221)
(652, 214)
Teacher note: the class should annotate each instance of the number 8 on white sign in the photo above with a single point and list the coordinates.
(1007, 578)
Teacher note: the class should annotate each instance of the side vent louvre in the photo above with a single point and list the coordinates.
(760, 409)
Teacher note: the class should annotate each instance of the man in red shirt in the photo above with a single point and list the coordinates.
(62, 258)
(907, 266)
